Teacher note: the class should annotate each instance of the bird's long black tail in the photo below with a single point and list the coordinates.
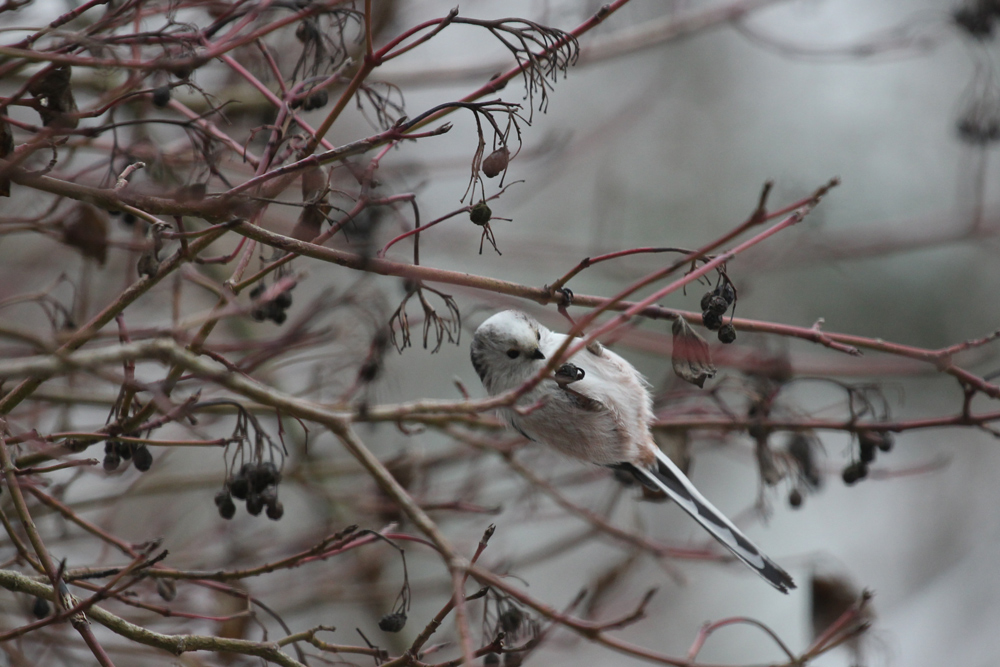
(668, 478)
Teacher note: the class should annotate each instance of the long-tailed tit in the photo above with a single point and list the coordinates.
(597, 407)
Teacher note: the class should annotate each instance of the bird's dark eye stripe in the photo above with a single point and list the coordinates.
(513, 354)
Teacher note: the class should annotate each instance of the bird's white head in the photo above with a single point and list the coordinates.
(506, 349)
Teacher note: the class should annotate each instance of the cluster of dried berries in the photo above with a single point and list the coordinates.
(977, 17)
(257, 484)
(275, 309)
(116, 451)
(869, 442)
(714, 305)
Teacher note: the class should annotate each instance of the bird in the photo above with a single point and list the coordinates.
(596, 407)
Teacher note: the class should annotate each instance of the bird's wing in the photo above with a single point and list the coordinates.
(668, 478)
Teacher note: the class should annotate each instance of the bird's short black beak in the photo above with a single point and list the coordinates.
(537, 354)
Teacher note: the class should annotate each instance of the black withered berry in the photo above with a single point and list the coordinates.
(712, 321)
(257, 290)
(112, 460)
(866, 451)
(239, 485)
(224, 502)
(727, 292)
(142, 458)
(886, 443)
(855, 472)
(123, 449)
(727, 333)
(717, 305)
(161, 96)
(275, 510)
(513, 659)
(40, 608)
(128, 219)
(705, 300)
(255, 504)
(278, 316)
(283, 300)
(316, 100)
(511, 619)
(879, 439)
(263, 474)
(392, 622)
(491, 660)
(795, 498)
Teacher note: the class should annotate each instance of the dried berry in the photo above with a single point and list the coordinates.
(712, 321)
(392, 622)
(511, 619)
(496, 162)
(866, 451)
(480, 213)
(123, 449)
(224, 502)
(727, 333)
(491, 660)
(239, 486)
(112, 460)
(513, 659)
(166, 589)
(316, 100)
(727, 292)
(161, 96)
(795, 498)
(40, 608)
(705, 300)
(283, 300)
(255, 504)
(717, 305)
(855, 472)
(142, 458)
(275, 510)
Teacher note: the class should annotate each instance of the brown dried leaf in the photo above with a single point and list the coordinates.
(691, 357)
(313, 183)
(54, 94)
(310, 223)
(86, 229)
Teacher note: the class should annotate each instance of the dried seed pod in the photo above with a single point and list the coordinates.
(392, 622)
(691, 358)
(142, 458)
(86, 229)
(496, 162)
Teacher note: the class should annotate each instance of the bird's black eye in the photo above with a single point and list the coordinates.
(513, 354)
